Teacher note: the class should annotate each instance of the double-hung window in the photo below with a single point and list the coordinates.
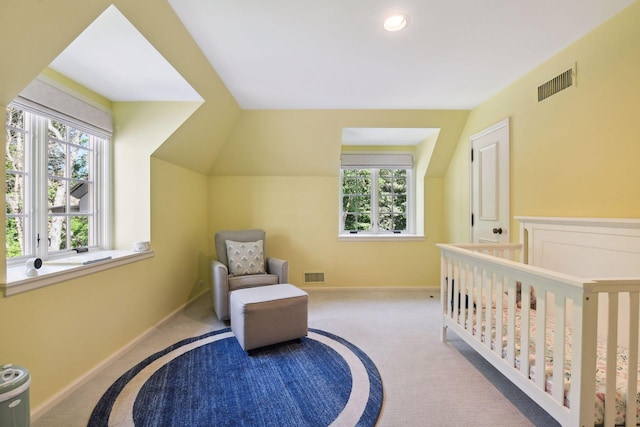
(376, 196)
(56, 184)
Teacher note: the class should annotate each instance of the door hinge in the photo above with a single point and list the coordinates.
(472, 154)
(472, 222)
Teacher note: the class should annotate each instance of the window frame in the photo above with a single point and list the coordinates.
(375, 231)
(36, 209)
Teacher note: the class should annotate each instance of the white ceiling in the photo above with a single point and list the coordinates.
(292, 54)
(334, 54)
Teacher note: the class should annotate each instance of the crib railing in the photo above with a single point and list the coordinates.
(487, 297)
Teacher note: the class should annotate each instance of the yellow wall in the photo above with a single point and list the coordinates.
(300, 217)
(279, 171)
(141, 127)
(576, 153)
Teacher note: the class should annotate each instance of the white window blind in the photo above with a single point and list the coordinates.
(43, 97)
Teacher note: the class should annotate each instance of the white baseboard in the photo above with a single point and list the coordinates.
(75, 385)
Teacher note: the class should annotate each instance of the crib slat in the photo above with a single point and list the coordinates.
(479, 275)
(455, 284)
(473, 302)
(612, 346)
(511, 322)
(559, 316)
(488, 329)
(465, 302)
(499, 317)
(632, 391)
(525, 306)
(541, 338)
(445, 286)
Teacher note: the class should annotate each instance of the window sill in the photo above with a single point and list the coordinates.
(379, 237)
(62, 269)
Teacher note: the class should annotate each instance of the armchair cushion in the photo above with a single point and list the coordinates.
(251, 281)
(245, 257)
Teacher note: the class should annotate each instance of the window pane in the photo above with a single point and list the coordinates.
(392, 200)
(364, 180)
(15, 118)
(80, 197)
(57, 130)
(14, 195)
(57, 196)
(56, 159)
(79, 231)
(386, 222)
(350, 222)
(15, 236)
(350, 173)
(15, 150)
(57, 233)
(400, 205)
(363, 204)
(364, 222)
(349, 186)
(78, 137)
(79, 163)
(385, 204)
(348, 204)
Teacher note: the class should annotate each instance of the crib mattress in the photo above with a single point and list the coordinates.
(621, 364)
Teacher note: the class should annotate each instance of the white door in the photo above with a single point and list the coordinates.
(490, 184)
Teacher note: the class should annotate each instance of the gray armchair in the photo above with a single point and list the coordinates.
(250, 270)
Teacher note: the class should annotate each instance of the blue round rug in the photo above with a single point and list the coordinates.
(209, 380)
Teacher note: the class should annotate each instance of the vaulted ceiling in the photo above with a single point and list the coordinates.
(335, 54)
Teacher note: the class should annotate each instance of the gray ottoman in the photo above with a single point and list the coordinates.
(267, 315)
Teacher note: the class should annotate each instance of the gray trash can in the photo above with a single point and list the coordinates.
(14, 396)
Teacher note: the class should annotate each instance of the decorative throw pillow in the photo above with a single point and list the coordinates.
(245, 257)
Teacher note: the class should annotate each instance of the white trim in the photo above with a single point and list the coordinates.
(63, 269)
(362, 236)
(596, 222)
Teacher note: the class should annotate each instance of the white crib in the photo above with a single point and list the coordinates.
(572, 308)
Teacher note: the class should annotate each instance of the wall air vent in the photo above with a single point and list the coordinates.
(560, 82)
(313, 277)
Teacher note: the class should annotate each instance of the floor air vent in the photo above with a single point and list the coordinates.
(313, 277)
(558, 83)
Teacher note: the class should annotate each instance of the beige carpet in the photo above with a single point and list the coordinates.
(399, 331)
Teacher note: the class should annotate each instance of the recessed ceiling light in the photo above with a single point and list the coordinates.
(396, 22)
